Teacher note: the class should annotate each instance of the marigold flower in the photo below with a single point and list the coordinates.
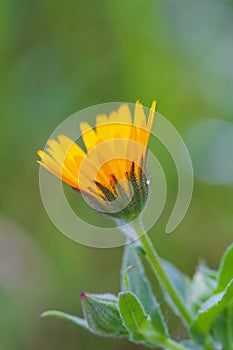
(111, 174)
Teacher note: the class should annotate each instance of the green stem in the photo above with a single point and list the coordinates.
(229, 327)
(163, 342)
(160, 273)
(59, 314)
(172, 345)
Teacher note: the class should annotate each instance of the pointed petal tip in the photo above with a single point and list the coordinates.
(84, 127)
(39, 153)
(153, 105)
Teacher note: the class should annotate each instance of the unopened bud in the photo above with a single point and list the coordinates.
(102, 314)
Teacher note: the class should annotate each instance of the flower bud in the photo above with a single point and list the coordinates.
(102, 314)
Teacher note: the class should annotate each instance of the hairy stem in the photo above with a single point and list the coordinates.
(160, 273)
(172, 345)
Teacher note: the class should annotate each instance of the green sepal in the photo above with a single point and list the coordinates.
(115, 202)
(109, 195)
(225, 273)
(135, 280)
(99, 204)
(137, 193)
(209, 311)
(102, 315)
(143, 181)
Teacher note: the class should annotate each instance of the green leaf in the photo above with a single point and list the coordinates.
(126, 278)
(202, 286)
(219, 328)
(225, 273)
(180, 282)
(137, 322)
(222, 328)
(209, 311)
(102, 315)
(63, 315)
(132, 314)
(133, 277)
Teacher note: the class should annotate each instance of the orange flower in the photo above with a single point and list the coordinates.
(112, 169)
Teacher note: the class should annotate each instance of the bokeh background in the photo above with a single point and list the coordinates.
(58, 57)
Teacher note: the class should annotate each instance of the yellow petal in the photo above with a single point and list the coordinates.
(139, 116)
(89, 136)
(151, 116)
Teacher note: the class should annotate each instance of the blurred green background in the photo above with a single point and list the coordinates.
(58, 57)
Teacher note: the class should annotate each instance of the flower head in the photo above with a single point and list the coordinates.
(111, 173)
